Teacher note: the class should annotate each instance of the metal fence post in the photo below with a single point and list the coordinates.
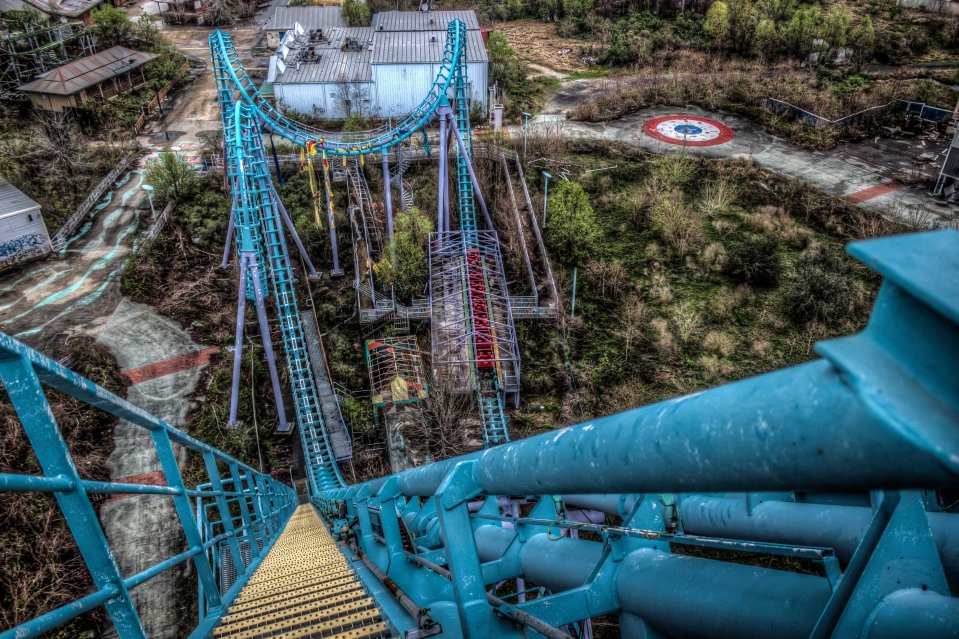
(181, 502)
(28, 399)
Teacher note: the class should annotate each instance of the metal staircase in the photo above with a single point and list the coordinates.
(404, 153)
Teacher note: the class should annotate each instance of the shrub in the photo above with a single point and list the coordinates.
(823, 290)
(714, 257)
(571, 223)
(755, 261)
(678, 224)
(673, 172)
(357, 14)
(719, 343)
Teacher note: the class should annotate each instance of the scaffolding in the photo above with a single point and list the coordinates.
(30, 49)
(397, 375)
(472, 323)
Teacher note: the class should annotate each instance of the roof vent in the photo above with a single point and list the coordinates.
(432, 21)
(433, 38)
(381, 28)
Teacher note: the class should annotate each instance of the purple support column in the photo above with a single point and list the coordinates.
(268, 346)
(229, 239)
(311, 272)
(238, 344)
(446, 190)
(388, 195)
(441, 199)
(469, 168)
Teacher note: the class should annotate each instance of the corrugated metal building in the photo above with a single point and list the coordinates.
(379, 71)
(405, 64)
(310, 18)
(326, 74)
(98, 77)
(23, 235)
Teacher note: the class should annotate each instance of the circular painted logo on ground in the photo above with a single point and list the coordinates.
(689, 130)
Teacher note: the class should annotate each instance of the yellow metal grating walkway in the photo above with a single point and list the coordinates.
(304, 588)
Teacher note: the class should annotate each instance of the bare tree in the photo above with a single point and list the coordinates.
(451, 427)
(632, 321)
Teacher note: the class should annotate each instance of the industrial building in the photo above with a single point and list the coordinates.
(95, 78)
(284, 19)
(23, 235)
(57, 9)
(378, 71)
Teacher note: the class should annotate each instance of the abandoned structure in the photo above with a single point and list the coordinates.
(377, 71)
(310, 18)
(23, 235)
(57, 9)
(98, 78)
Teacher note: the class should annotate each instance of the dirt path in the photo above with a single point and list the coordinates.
(859, 183)
(75, 293)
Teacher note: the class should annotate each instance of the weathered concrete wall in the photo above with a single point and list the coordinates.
(164, 365)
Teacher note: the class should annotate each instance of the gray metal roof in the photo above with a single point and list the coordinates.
(421, 47)
(88, 71)
(69, 8)
(422, 20)
(13, 200)
(309, 17)
(328, 61)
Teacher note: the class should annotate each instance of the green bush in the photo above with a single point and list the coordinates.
(755, 261)
(357, 14)
(823, 290)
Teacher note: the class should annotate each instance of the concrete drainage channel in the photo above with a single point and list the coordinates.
(164, 366)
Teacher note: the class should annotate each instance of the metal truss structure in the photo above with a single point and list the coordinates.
(599, 518)
(29, 50)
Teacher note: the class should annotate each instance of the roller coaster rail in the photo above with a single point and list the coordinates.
(887, 562)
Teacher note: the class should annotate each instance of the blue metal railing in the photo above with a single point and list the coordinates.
(265, 504)
(875, 420)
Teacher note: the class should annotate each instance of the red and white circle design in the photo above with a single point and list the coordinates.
(688, 130)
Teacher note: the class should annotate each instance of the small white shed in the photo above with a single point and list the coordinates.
(23, 235)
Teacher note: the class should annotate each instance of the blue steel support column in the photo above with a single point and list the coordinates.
(441, 201)
(475, 613)
(238, 342)
(388, 197)
(469, 167)
(28, 399)
(229, 236)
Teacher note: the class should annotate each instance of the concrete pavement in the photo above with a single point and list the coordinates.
(869, 188)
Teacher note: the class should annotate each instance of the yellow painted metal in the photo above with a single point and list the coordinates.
(303, 588)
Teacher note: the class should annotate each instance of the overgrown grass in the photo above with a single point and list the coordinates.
(690, 319)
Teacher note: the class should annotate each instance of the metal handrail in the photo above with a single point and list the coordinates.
(264, 502)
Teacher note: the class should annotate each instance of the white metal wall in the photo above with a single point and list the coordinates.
(398, 88)
(22, 236)
(322, 97)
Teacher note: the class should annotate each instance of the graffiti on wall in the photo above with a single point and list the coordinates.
(23, 248)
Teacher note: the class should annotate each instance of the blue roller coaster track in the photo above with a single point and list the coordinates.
(847, 466)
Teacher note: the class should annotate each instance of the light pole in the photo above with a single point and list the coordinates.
(526, 117)
(546, 177)
(176, 151)
(149, 189)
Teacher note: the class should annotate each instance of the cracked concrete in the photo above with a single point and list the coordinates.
(911, 204)
(143, 530)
